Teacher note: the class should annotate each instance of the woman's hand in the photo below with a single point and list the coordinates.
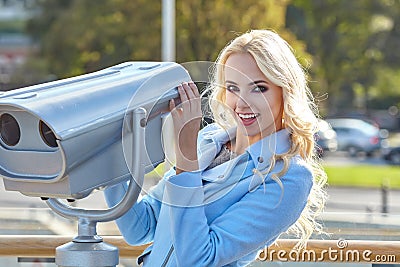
(186, 118)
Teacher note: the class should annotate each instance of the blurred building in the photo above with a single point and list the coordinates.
(15, 46)
(14, 50)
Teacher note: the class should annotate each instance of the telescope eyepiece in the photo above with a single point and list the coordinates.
(10, 132)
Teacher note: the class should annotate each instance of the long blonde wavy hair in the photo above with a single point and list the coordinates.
(275, 58)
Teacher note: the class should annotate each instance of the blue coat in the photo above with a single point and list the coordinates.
(221, 216)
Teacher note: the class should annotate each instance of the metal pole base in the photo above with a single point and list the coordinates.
(94, 254)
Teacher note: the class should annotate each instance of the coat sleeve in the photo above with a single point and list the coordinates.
(246, 226)
(138, 224)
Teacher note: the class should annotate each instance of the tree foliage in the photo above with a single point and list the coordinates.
(350, 46)
(83, 36)
(205, 27)
(79, 36)
(351, 41)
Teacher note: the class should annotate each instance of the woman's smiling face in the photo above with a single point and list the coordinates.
(256, 102)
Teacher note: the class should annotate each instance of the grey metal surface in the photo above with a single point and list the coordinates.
(89, 218)
(88, 116)
(88, 249)
(75, 254)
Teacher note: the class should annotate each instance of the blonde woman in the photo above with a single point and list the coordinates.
(249, 177)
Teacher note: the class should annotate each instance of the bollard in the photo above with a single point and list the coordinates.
(385, 192)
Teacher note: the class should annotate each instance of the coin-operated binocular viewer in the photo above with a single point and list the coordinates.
(64, 139)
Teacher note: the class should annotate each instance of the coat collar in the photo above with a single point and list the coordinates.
(212, 137)
(262, 151)
(210, 141)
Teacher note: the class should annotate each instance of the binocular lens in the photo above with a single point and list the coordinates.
(47, 134)
(9, 130)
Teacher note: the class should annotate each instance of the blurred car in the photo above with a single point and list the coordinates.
(392, 155)
(325, 138)
(355, 136)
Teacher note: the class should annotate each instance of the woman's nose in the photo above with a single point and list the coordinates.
(241, 101)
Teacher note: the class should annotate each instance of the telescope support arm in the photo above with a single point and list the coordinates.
(87, 219)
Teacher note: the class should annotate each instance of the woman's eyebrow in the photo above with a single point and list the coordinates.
(232, 82)
(257, 82)
(251, 83)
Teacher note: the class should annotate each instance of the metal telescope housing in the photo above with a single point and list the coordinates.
(65, 138)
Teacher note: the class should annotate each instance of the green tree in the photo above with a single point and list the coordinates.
(83, 36)
(205, 27)
(346, 42)
(80, 36)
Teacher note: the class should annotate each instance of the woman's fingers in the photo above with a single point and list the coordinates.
(193, 96)
(182, 93)
(195, 90)
(189, 96)
(172, 105)
(186, 118)
(189, 90)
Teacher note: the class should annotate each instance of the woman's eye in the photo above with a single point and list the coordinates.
(260, 89)
(232, 88)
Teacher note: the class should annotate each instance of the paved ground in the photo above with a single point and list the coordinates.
(341, 158)
(363, 200)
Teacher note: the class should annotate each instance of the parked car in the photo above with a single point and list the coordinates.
(355, 136)
(392, 155)
(325, 138)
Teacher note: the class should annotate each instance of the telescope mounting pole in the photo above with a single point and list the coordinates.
(88, 249)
